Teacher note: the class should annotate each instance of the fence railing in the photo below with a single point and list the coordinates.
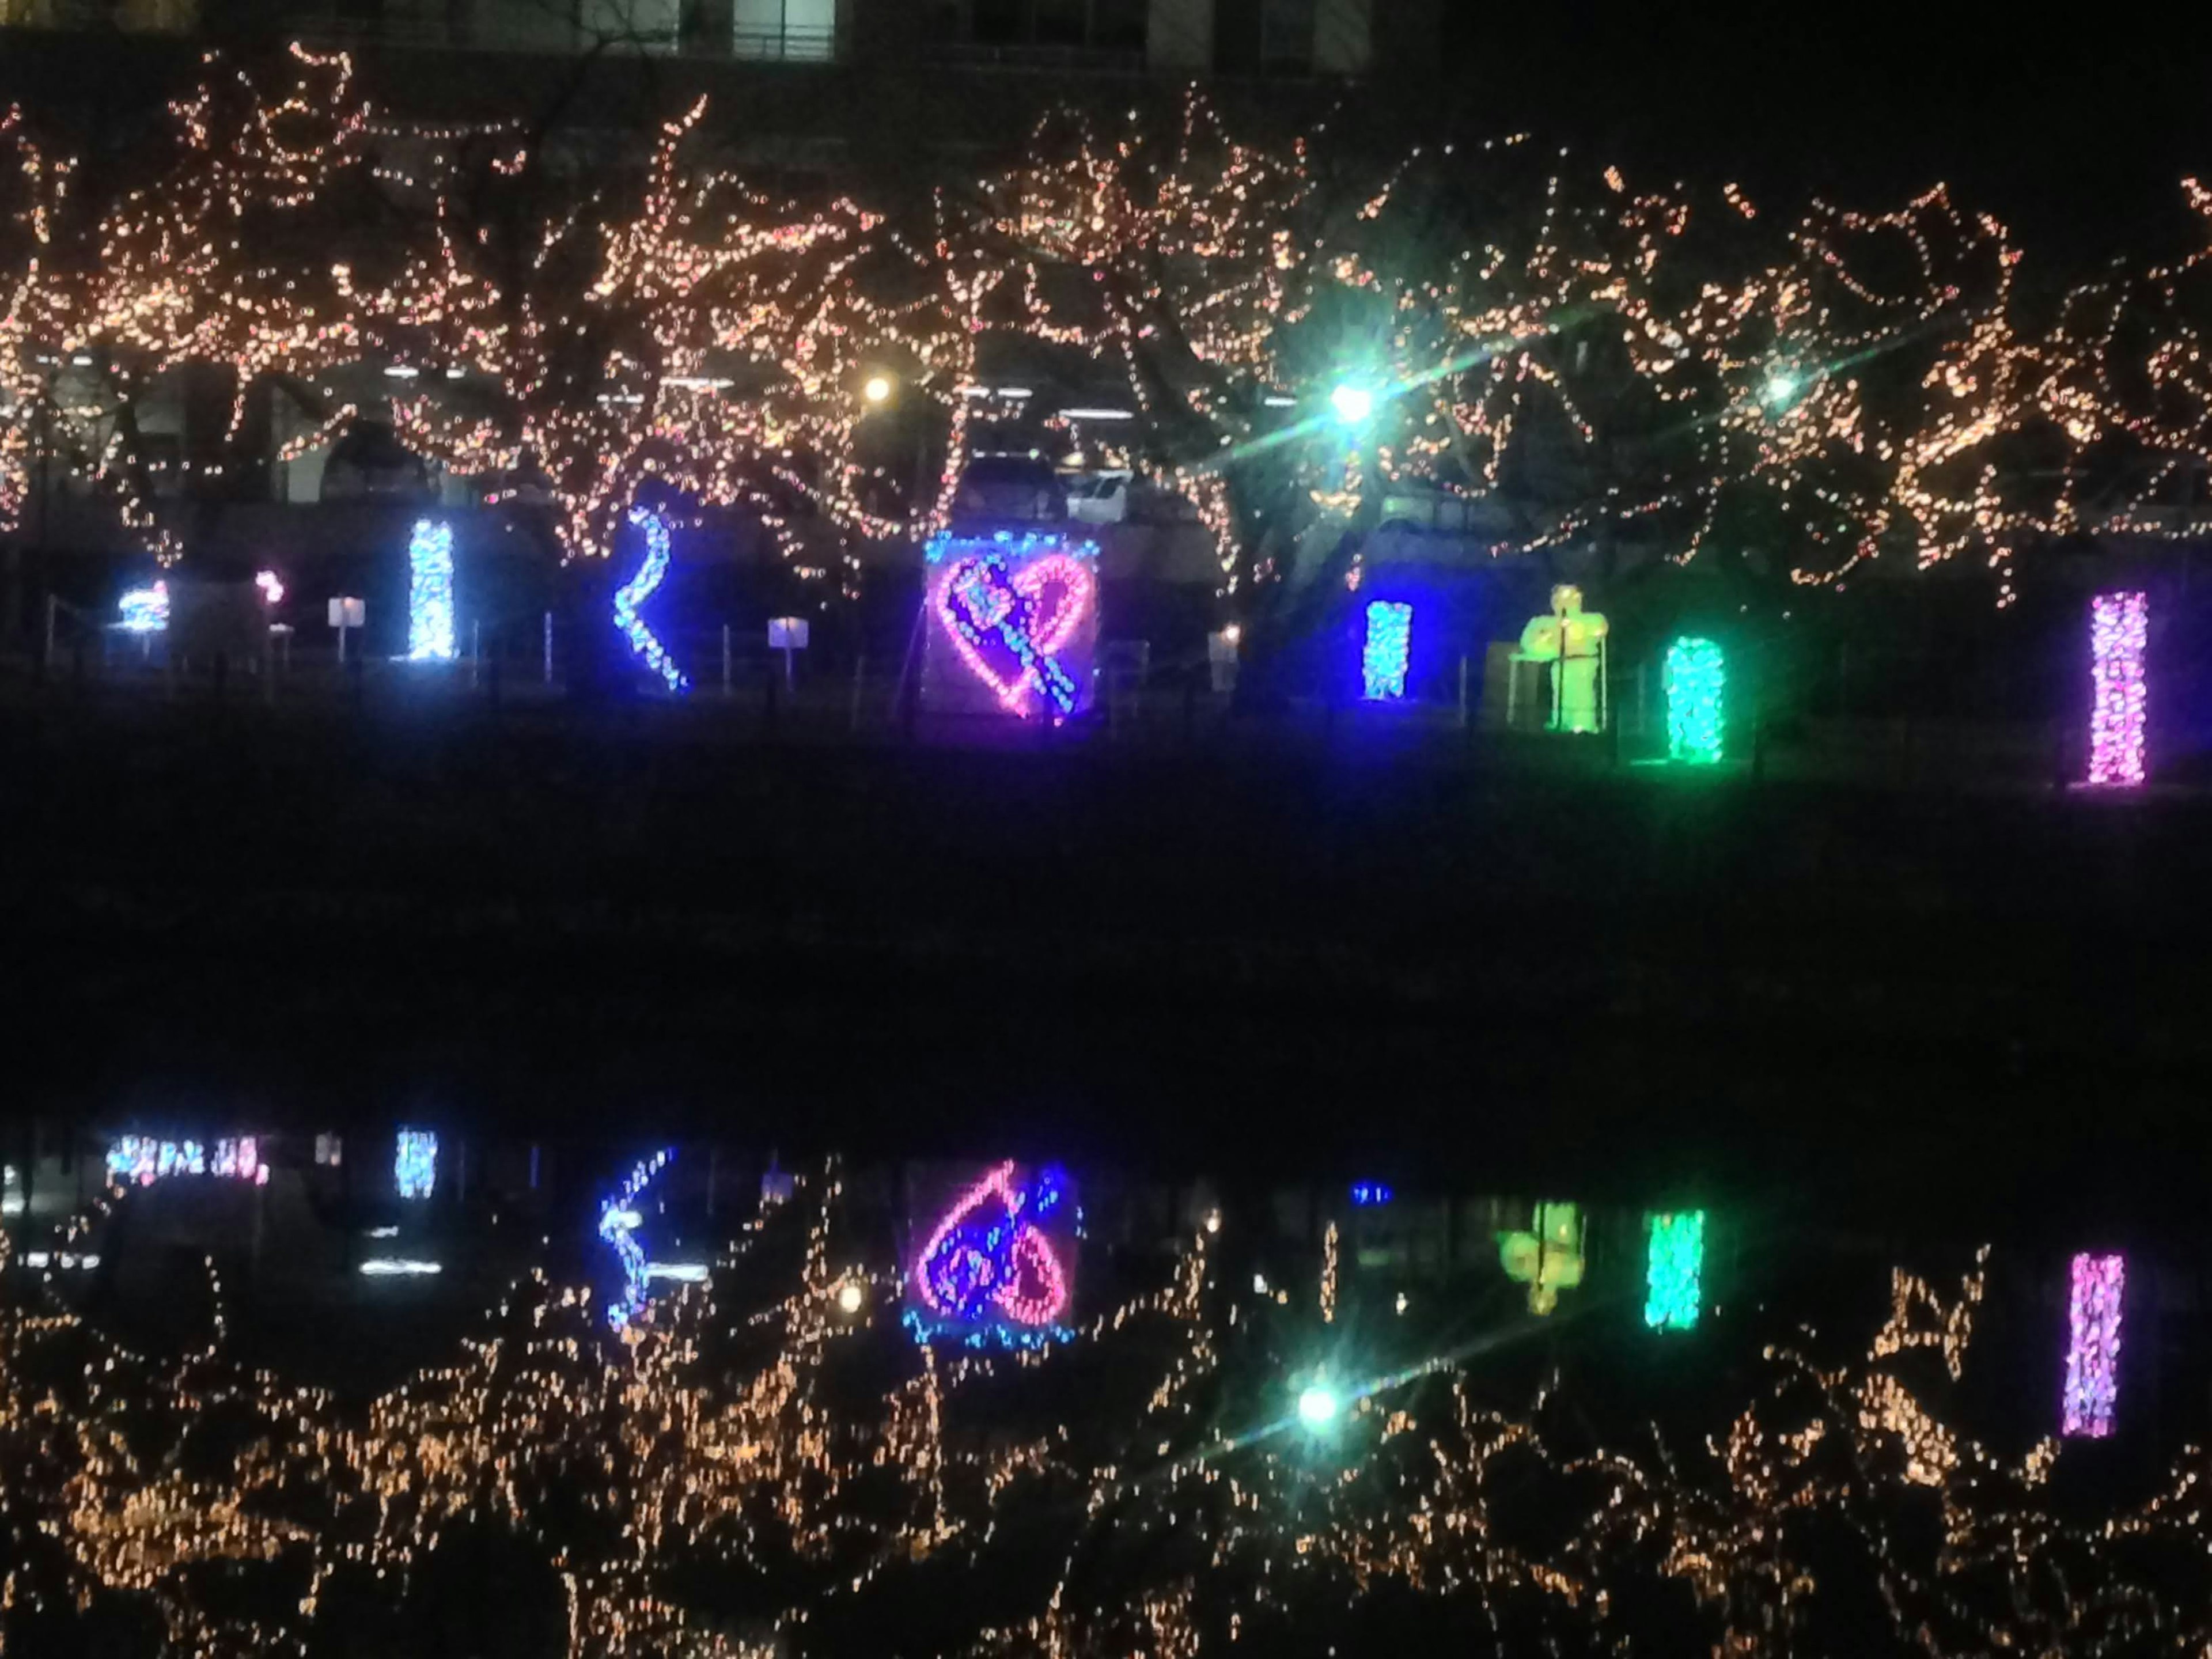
(1061, 59)
(98, 16)
(655, 29)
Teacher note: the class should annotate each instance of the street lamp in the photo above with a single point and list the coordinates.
(1318, 1406)
(877, 389)
(850, 1296)
(1781, 389)
(1353, 403)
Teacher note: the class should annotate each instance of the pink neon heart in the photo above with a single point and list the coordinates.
(1068, 577)
(1037, 1293)
(1059, 590)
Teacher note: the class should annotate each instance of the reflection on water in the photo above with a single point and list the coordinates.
(690, 1402)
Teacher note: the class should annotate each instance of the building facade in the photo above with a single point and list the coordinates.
(1178, 38)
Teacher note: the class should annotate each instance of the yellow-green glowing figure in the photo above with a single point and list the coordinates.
(1548, 1260)
(1572, 640)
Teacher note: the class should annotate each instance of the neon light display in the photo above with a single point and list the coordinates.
(1387, 650)
(1548, 1258)
(414, 1163)
(430, 592)
(271, 585)
(2119, 629)
(141, 1160)
(992, 1261)
(631, 596)
(146, 610)
(1017, 610)
(1366, 1195)
(619, 1218)
(2093, 1347)
(1696, 674)
(1674, 1270)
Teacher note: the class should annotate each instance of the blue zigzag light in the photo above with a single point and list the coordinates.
(637, 590)
(618, 1225)
(1388, 651)
(430, 592)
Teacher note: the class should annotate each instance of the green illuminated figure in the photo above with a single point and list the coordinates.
(1548, 1259)
(1572, 640)
(1695, 677)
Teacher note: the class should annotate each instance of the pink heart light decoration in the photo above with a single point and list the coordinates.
(1035, 1291)
(1055, 594)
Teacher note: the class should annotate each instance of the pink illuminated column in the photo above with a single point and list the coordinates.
(2092, 1348)
(2119, 626)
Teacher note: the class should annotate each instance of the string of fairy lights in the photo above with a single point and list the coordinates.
(705, 1428)
(1577, 358)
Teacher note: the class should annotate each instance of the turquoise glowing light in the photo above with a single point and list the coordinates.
(414, 1163)
(1388, 651)
(430, 592)
(1674, 1270)
(146, 610)
(1696, 676)
(1319, 1405)
(1780, 390)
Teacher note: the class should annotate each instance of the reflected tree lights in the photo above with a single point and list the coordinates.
(813, 1456)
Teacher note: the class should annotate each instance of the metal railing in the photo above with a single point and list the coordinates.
(174, 17)
(1056, 59)
(524, 28)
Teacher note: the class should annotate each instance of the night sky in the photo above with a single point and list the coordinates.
(2073, 129)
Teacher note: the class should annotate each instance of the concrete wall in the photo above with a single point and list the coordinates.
(1343, 36)
(1179, 36)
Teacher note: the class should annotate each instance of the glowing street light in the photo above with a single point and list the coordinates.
(1353, 403)
(1318, 1407)
(850, 1296)
(877, 389)
(1780, 390)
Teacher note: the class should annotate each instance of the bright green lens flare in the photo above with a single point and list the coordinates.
(1318, 1407)
(1353, 404)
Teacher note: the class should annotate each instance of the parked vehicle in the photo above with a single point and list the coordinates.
(1022, 487)
(1100, 497)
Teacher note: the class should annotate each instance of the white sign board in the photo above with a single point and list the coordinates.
(349, 613)
(786, 633)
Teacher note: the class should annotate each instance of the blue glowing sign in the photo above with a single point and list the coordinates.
(414, 1163)
(430, 592)
(1367, 1194)
(1387, 650)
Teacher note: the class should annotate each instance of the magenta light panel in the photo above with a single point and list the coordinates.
(2093, 1347)
(2119, 627)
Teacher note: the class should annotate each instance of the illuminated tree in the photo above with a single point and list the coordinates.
(699, 338)
(216, 267)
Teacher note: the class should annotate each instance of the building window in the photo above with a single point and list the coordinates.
(1286, 37)
(786, 31)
